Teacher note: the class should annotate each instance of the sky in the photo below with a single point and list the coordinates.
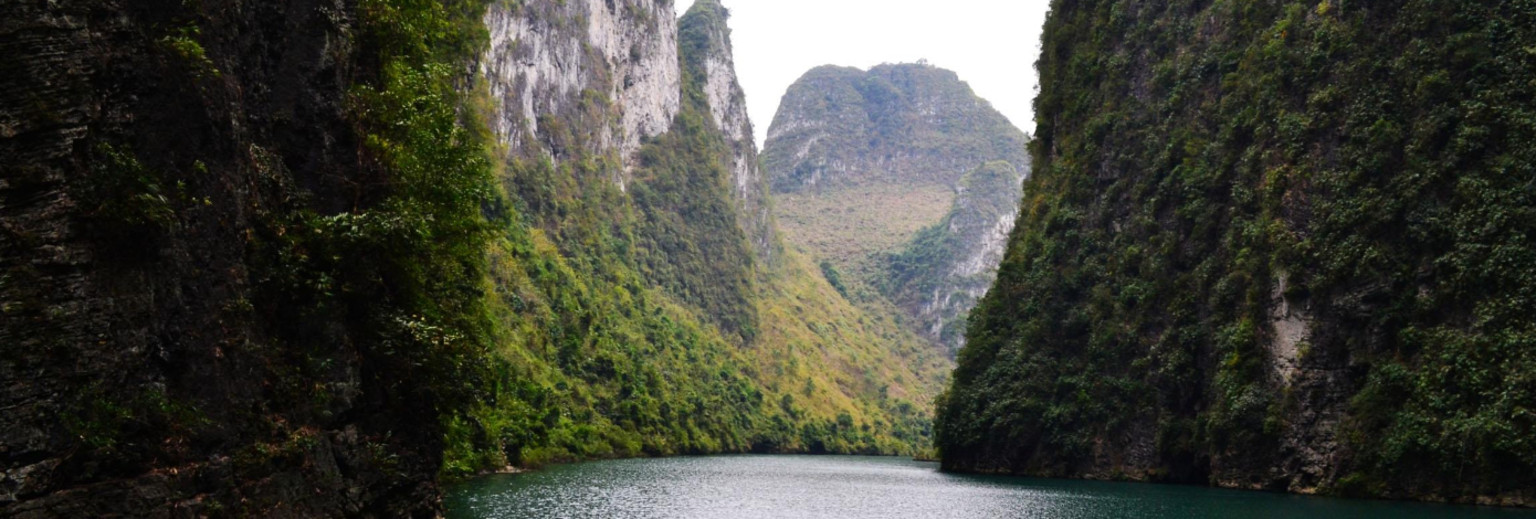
(991, 44)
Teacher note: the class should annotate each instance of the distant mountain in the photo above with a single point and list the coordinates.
(909, 124)
(870, 171)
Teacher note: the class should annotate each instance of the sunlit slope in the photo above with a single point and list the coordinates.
(637, 317)
(852, 227)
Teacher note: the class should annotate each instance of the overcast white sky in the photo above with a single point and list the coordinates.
(991, 44)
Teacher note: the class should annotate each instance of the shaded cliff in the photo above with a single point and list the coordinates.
(232, 239)
(870, 172)
(1280, 245)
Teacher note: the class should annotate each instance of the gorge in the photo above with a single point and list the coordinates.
(378, 258)
(311, 258)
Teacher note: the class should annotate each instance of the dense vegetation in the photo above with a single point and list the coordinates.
(274, 291)
(1209, 173)
(272, 262)
(638, 322)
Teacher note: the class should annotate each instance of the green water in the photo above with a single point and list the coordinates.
(799, 487)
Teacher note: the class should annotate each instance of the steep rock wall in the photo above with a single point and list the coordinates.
(714, 62)
(183, 330)
(940, 274)
(655, 315)
(581, 63)
(1278, 245)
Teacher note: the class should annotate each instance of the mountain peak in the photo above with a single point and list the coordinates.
(896, 122)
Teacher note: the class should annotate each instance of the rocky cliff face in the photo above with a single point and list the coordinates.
(1279, 245)
(714, 62)
(611, 70)
(867, 147)
(580, 64)
(171, 177)
(255, 260)
(598, 87)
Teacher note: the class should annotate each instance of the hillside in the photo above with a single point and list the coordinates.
(304, 260)
(869, 169)
(1270, 245)
(649, 313)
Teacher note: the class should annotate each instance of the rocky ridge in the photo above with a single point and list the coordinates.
(941, 273)
(728, 108)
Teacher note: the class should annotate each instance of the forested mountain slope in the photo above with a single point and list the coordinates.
(870, 171)
(648, 307)
(1281, 245)
(307, 259)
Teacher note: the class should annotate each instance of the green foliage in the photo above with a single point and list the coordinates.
(111, 424)
(689, 241)
(399, 275)
(917, 267)
(636, 323)
(184, 44)
(1191, 160)
(925, 265)
(909, 124)
(124, 198)
(833, 278)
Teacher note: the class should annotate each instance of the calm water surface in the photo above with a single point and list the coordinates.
(803, 487)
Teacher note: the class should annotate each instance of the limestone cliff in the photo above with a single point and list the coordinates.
(580, 63)
(211, 259)
(1269, 245)
(643, 303)
(941, 273)
(714, 63)
(301, 258)
(613, 69)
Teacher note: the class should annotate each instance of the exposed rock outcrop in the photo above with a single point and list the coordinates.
(946, 268)
(579, 63)
(715, 62)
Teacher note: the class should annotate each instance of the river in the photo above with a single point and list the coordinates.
(806, 487)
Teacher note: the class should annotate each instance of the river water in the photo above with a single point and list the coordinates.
(804, 487)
